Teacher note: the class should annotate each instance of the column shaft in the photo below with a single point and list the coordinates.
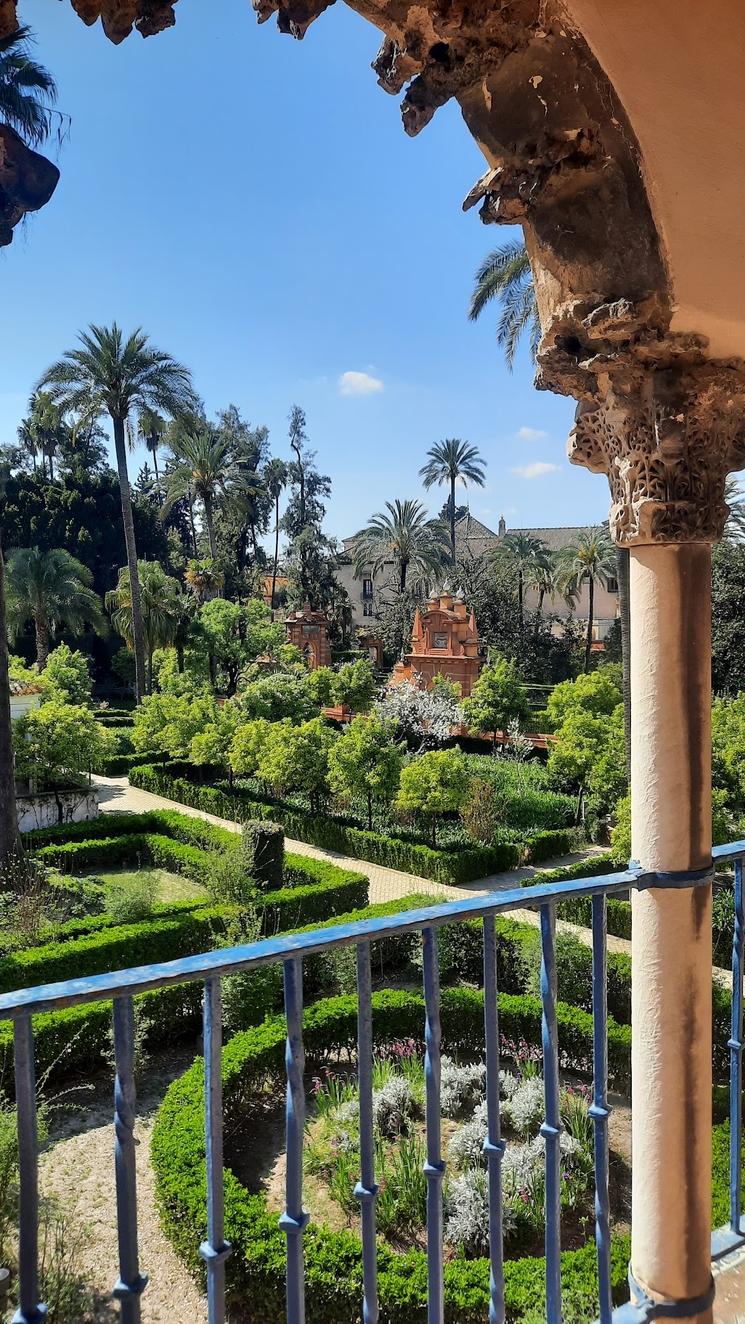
(671, 939)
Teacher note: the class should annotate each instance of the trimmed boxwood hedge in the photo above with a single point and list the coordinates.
(458, 864)
(333, 1264)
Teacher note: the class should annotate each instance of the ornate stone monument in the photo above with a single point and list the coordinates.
(308, 630)
(444, 642)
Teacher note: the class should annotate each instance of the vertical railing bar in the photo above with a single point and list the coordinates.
(131, 1283)
(551, 1127)
(366, 1189)
(30, 1309)
(215, 1249)
(434, 1167)
(294, 1220)
(735, 1046)
(494, 1144)
(599, 1108)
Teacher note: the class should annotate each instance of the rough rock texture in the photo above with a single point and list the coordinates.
(27, 181)
(118, 17)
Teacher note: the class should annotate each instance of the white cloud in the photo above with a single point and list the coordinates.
(359, 383)
(531, 434)
(535, 470)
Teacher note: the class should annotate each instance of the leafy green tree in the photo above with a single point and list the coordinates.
(54, 591)
(168, 723)
(234, 636)
(108, 374)
(279, 697)
(527, 556)
(453, 461)
(10, 839)
(403, 536)
(728, 748)
(588, 756)
(594, 692)
(307, 553)
(322, 685)
(355, 685)
(591, 560)
(213, 744)
(505, 278)
(433, 784)
(275, 481)
(67, 677)
(247, 746)
(296, 758)
(243, 517)
(727, 596)
(497, 699)
(59, 740)
(28, 91)
(365, 762)
(159, 605)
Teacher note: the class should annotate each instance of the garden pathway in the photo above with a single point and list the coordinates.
(117, 796)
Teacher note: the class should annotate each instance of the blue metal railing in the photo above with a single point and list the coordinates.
(210, 968)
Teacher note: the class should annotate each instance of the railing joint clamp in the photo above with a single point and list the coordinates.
(669, 1309)
(293, 1226)
(213, 1254)
(134, 1288)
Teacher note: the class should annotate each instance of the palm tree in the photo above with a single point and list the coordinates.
(161, 607)
(452, 461)
(527, 556)
(151, 427)
(734, 529)
(505, 278)
(43, 431)
(27, 90)
(10, 840)
(53, 590)
(275, 481)
(416, 545)
(201, 470)
(109, 374)
(589, 560)
(204, 580)
(545, 580)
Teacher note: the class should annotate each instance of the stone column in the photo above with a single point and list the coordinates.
(666, 446)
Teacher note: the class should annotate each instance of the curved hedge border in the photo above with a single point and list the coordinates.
(333, 1259)
(460, 864)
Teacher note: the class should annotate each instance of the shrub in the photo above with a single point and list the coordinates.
(480, 813)
(263, 848)
(228, 879)
(446, 865)
(433, 784)
(333, 1260)
(467, 1212)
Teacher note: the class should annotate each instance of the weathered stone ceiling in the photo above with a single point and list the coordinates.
(563, 158)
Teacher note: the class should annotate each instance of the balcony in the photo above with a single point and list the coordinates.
(291, 952)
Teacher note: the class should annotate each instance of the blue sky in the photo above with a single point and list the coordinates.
(254, 203)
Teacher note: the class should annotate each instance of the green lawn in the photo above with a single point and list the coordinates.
(171, 886)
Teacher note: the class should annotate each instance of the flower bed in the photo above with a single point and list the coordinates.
(333, 1259)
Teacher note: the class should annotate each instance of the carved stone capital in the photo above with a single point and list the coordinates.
(666, 448)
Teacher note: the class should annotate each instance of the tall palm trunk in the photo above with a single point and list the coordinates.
(624, 606)
(403, 568)
(275, 563)
(138, 633)
(207, 503)
(520, 594)
(590, 614)
(41, 628)
(154, 453)
(452, 519)
(190, 507)
(10, 841)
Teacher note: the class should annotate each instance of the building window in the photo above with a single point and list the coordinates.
(368, 609)
(367, 589)
(611, 584)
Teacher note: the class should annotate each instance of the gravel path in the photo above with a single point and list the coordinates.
(78, 1169)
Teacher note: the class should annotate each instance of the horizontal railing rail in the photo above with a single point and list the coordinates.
(291, 950)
